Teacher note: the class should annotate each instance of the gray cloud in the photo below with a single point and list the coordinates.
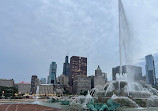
(34, 33)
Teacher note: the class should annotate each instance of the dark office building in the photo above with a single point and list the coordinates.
(78, 66)
(129, 70)
(34, 82)
(81, 84)
(150, 70)
(92, 81)
(66, 67)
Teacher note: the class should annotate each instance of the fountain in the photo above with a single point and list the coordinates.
(87, 103)
(81, 101)
(37, 93)
(124, 90)
(37, 96)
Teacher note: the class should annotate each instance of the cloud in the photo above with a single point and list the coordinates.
(35, 33)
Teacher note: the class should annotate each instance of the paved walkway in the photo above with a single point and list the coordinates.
(25, 107)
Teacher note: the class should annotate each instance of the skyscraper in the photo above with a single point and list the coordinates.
(150, 70)
(34, 82)
(52, 73)
(98, 71)
(66, 67)
(78, 66)
(100, 77)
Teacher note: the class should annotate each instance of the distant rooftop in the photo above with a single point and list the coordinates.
(24, 82)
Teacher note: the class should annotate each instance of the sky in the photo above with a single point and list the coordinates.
(33, 33)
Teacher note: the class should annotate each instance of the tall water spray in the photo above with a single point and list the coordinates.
(125, 88)
(37, 93)
(125, 41)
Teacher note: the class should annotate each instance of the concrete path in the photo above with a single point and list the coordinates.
(26, 107)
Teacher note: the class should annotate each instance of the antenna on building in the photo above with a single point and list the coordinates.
(67, 53)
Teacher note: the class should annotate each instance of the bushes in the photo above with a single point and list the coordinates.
(16, 97)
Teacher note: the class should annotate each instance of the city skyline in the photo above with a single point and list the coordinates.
(45, 30)
(46, 81)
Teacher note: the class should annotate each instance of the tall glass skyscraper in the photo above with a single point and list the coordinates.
(150, 70)
(66, 67)
(52, 73)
